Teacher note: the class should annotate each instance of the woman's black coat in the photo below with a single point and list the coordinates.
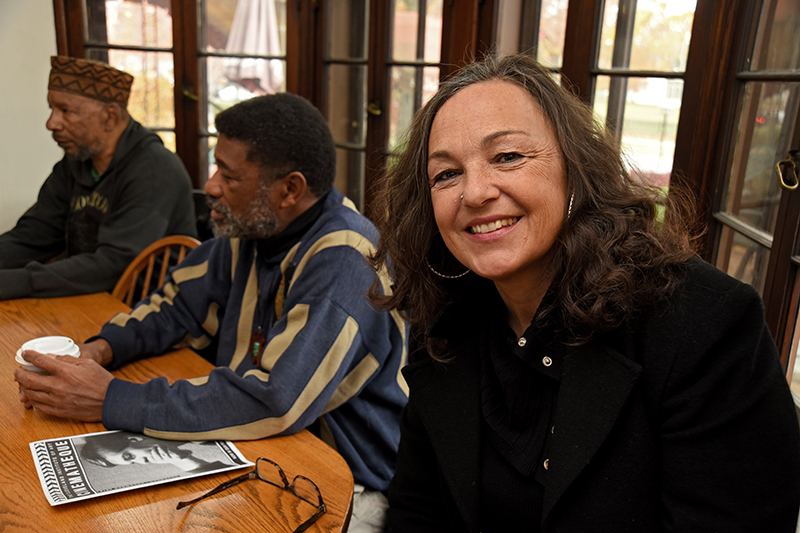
(683, 423)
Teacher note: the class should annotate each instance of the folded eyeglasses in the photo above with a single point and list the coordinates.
(270, 472)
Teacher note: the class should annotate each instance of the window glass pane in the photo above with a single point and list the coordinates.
(347, 114)
(142, 23)
(657, 38)
(350, 166)
(649, 108)
(168, 138)
(742, 258)
(406, 45)
(777, 46)
(252, 27)
(552, 27)
(207, 145)
(246, 27)
(405, 27)
(433, 32)
(411, 88)
(347, 28)
(607, 31)
(793, 367)
(280, 11)
(225, 91)
(151, 99)
(661, 34)
(430, 84)
(402, 106)
(766, 124)
(510, 36)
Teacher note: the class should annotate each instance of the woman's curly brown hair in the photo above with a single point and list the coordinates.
(614, 255)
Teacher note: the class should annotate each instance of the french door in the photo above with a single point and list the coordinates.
(755, 224)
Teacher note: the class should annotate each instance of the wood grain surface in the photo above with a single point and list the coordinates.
(250, 506)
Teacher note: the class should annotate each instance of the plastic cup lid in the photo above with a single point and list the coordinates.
(51, 345)
(55, 345)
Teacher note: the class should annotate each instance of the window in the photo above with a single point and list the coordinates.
(638, 58)
(702, 95)
(137, 37)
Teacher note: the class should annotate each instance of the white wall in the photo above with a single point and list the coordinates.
(27, 152)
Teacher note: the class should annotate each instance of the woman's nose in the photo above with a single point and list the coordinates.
(479, 187)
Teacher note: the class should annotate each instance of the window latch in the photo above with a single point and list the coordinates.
(789, 170)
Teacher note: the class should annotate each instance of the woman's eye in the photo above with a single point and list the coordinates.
(508, 157)
(445, 175)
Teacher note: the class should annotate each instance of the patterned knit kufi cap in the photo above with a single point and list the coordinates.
(91, 79)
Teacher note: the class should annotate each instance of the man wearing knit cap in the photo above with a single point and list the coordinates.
(116, 190)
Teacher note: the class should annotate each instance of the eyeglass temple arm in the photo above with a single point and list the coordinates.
(228, 484)
(310, 522)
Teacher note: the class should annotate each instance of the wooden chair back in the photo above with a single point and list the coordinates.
(146, 262)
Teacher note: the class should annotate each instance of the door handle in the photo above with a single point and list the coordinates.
(789, 170)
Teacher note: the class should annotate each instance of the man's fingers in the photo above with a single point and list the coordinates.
(47, 362)
(37, 396)
(45, 408)
(74, 388)
(38, 359)
(23, 397)
(27, 378)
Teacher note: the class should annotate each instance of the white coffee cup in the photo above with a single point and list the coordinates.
(55, 345)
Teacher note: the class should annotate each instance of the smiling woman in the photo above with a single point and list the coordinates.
(498, 190)
(587, 373)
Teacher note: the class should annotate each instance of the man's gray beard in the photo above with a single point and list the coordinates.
(85, 153)
(259, 222)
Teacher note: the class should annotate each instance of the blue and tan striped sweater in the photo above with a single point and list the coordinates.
(328, 355)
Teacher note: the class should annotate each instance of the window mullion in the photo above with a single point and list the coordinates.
(186, 91)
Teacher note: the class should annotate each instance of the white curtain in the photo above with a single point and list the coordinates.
(255, 31)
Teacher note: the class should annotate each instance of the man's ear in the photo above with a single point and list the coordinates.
(112, 116)
(292, 188)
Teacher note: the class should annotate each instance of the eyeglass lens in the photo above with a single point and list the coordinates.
(301, 486)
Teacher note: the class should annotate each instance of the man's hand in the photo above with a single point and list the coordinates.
(75, 388)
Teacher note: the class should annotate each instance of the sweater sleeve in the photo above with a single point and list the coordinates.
(182, 312)
(326, 346)
(39, 234)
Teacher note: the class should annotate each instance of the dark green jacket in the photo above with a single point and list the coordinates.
(97, 228)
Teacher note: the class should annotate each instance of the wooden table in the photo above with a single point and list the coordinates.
(250, 506)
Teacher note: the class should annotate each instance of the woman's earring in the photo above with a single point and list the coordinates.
(445, 275)
(569, 209)
(440, 253)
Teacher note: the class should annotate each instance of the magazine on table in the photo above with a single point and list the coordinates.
(95, 464)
